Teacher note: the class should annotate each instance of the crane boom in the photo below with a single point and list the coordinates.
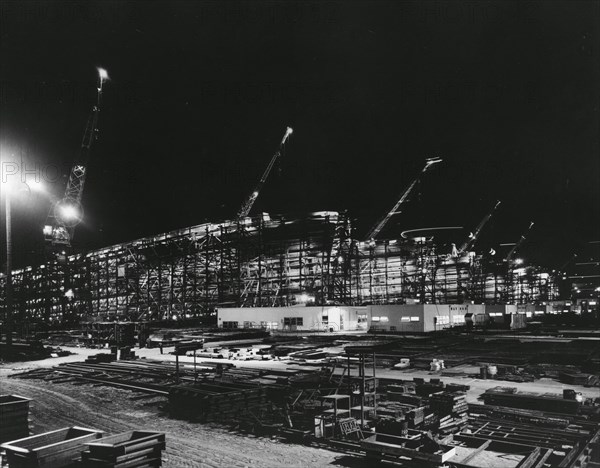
(519, 243)
(375, 230)
(473, 236)
(249, 203)
(68, 212)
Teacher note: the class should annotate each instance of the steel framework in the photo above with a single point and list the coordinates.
(258, 262)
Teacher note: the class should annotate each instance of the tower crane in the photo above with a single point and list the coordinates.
(67, 213)
(375, 230)
(473, 236)
(249, 202)
(515, 247)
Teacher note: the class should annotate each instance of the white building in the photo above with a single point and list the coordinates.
(407, 318)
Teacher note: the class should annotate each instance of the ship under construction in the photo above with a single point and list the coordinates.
(257, 260)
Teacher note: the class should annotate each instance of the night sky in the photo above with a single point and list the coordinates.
(201, 93)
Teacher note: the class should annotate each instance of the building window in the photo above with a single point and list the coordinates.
(392, 328)
(414, 319)
(362, 318)
(230, 324)
(374, 319)
(405, 319)
(293, 321)
(384, 319)
(442, 319)
(458, 319)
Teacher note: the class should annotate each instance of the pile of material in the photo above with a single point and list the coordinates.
(101, 358)
(452, 410)
(579, 378)
(427, 388)
(218, 401)
(135, 448)
(14, 417)
(508, 396)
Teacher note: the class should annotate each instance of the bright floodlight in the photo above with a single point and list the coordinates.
(103, 74)
(36, 185)
(518, 261)
(69, 212)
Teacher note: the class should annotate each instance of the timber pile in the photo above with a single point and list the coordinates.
(537, 418)
(578, 378)
(130, 449)
(14, 417)
(451, 409)
(216, 401)
(505, 396)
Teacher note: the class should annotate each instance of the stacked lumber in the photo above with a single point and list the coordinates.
(14, 417)
(215, 401)
(506, 396)
(579, 378)
(50, 449)
(452, 409)
(130, 449)
(393, 409)
(415, 416)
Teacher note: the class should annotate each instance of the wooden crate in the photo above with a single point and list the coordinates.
(130, 449)
(53, 449)
(14, 417)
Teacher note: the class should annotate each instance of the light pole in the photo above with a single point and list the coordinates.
(8, 287)
(8, 309)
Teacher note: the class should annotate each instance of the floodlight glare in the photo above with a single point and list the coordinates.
(68, 212)
(103, 74)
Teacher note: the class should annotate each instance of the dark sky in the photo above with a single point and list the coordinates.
(201, 92)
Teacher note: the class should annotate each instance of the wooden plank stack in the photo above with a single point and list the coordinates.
(14, 417)
(128, 450)
(210, 401)
(452, 409)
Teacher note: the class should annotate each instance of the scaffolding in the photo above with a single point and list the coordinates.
(262, 261)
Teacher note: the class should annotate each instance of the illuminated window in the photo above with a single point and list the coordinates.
(415, 319)
(384, 319)
(374, 319)
(405, 319)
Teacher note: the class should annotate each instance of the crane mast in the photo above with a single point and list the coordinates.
(470, 242)
(375, 230)
(518, 244)
(247, 205)
(68, 212)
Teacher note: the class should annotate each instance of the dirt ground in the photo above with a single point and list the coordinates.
(189, 445)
